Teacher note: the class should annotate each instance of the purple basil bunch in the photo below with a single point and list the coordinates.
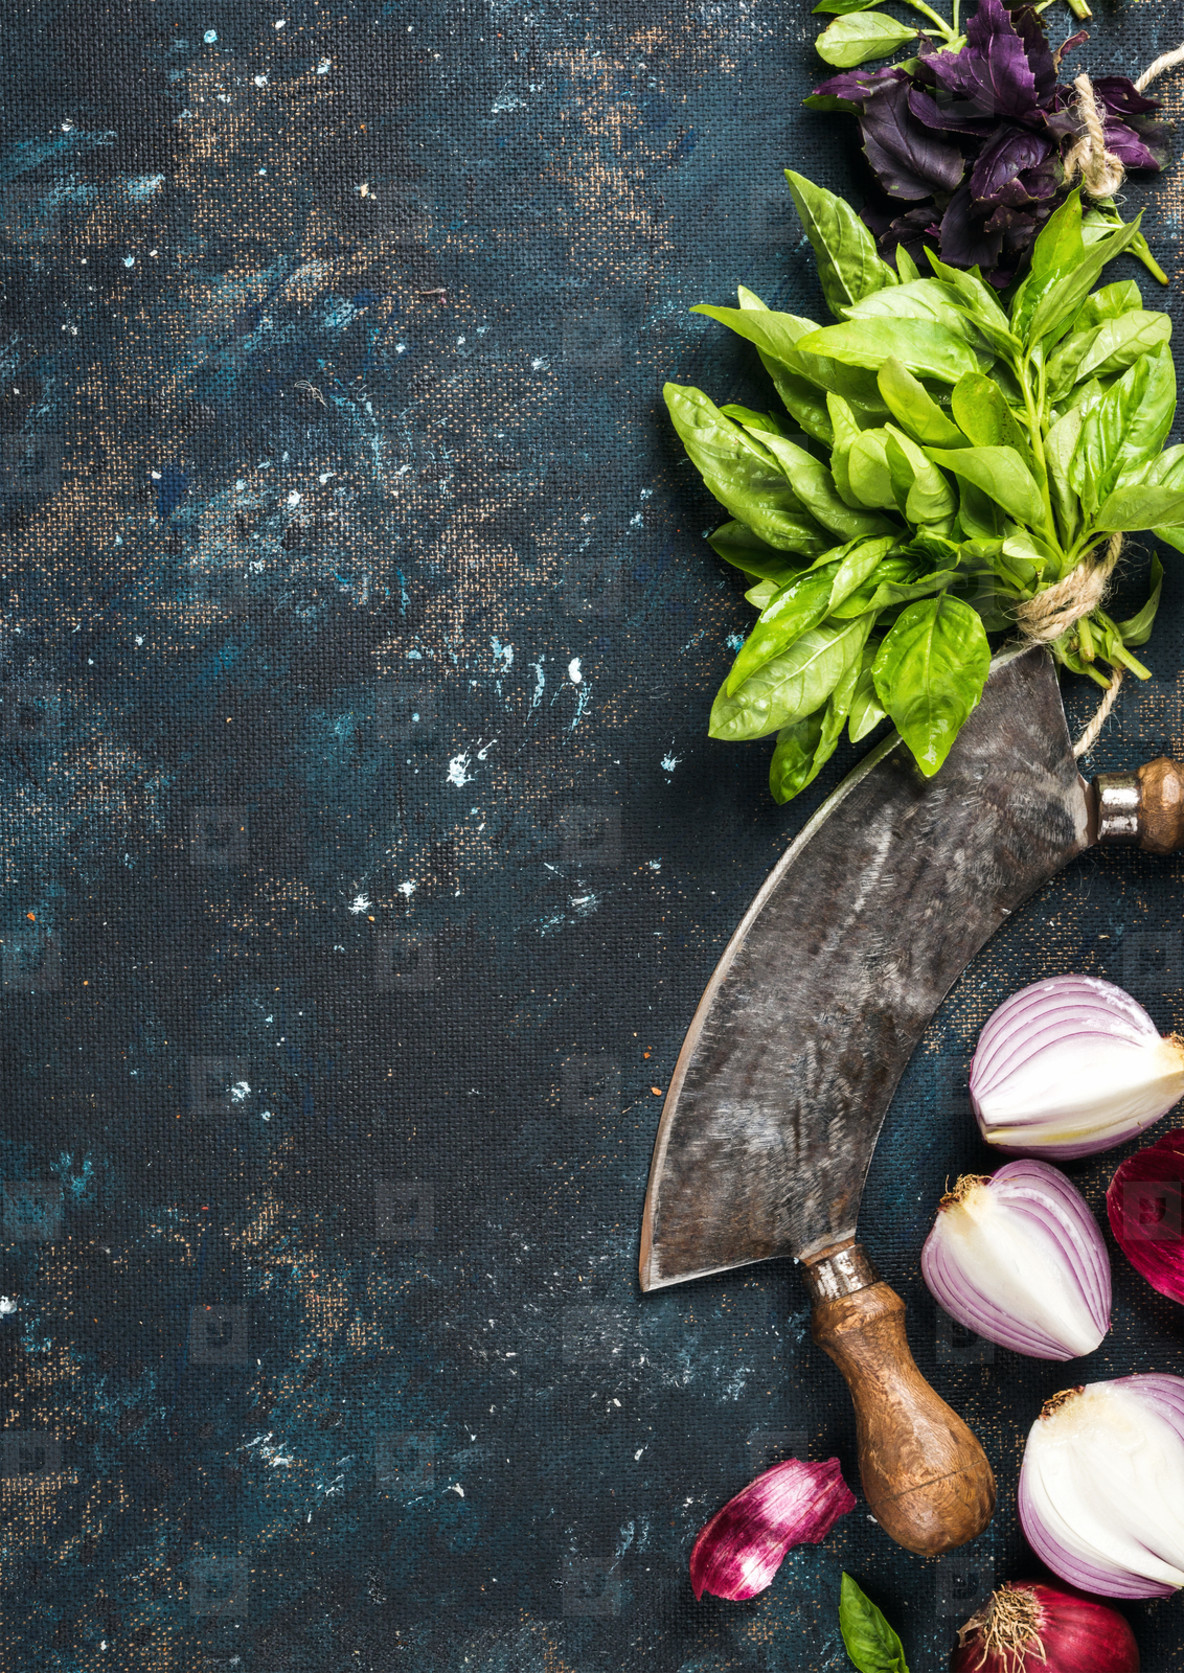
(969, 147)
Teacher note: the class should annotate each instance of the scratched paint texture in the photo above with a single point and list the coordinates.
(362, 855)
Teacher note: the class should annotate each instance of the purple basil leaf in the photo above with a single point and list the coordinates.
(965, 242)
(1015, 170)
(1131, 148)
(909, 161)
(1037, 51)
(853, 85)
(1069, 45)
(1121, 97)
(948, 115)
(992, 71)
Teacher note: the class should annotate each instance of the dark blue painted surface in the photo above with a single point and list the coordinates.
(364, 855)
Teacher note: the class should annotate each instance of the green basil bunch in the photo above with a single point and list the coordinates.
(937, 458)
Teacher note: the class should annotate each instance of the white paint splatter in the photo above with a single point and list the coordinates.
(455, 1487)
(458, 769)
(408, 889)
(670, 761)
(360, 903)
(540, 683)
(574, 672)
(503, 656)
(240, 1091)
(7, 1305)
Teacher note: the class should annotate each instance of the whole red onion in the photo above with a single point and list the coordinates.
(1031, 1628)
(1144, 1203)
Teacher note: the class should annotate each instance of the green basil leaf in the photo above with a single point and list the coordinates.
(849, 265)
(795, 760)
(858, 36)
(863, 559)
(929, 674)
(980, 514)
(1124, 429)
(736, 544)
(920, 299)
(1057, 252)
(868, 471)
(1166, 470)
(1105, 349)
(762, 594)
(914, 409)
(761, 422)
(742, 474)
(1059, 446)
(870, 1642)
(906, 268)
(840, 8)
(789, 772)
(891, 592)
(1060, 302)
(1172, 534)
(800, 398)
(780, 335)
(792, 685)
(847, 433)
(921, 490)
(1000, 472)
(891, 571)
(1110, 302)
(1140, 508)
(793, 611)
(982, 414)
(926, 348)
(866, 712)
(1136, 630)
(815, 488)
(976, 297)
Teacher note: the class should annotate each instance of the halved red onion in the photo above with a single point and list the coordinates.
(1032, 1628)
(1018, 1257)
(1144, 1204)
(740, 1550)
(1101, 1496)
(1070, 1066)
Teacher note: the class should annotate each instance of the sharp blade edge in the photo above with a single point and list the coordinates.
(826, 987)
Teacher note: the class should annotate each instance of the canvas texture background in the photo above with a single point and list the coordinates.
(363, 856)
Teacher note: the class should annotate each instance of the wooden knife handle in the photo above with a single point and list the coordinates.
(1144, 807)
(925, 1477)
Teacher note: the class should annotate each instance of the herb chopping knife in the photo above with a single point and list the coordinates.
(811, 1015)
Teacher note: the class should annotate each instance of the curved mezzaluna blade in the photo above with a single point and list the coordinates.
(856, 936)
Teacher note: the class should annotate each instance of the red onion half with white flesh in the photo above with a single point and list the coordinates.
(1033, 1628)
(1019, 1259)
(1101, 1495)
(1070, 1066)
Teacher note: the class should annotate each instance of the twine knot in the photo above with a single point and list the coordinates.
(1102, 172)
(1052, 612)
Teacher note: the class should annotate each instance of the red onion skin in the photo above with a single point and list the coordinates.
(1144, 1205)
(740, 1550)
(1079, 1635)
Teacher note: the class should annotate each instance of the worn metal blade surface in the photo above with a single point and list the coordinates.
(858, 933)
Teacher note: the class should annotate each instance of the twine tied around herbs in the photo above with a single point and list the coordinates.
(1102, 173)
(1052, 612)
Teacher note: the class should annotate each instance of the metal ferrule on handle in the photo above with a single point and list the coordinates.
(1144, 808)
